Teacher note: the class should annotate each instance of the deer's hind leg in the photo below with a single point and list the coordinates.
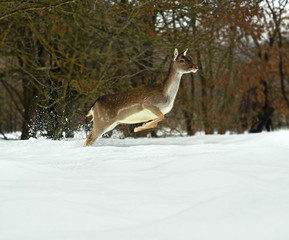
(92, 137)
(100, 126)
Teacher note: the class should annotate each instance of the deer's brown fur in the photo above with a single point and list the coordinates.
(143, 104)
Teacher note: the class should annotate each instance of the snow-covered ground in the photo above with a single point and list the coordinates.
(233, 187)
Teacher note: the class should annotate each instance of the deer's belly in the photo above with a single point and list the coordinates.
(142, 116)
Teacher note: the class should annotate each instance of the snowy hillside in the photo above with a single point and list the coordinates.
(233, 187)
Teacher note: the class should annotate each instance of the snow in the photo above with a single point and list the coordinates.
(200, 187)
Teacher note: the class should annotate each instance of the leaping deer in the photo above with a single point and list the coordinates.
(146, 104)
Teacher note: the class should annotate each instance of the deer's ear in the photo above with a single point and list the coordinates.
(176, 53)
(185, 52)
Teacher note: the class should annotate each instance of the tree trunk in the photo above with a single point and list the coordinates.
(29, 103)
(204, 97)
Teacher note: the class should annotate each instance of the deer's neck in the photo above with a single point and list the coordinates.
(171, 83)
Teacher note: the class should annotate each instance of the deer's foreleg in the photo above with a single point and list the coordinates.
(153, 123)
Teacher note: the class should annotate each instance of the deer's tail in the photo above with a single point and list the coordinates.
(90, 113)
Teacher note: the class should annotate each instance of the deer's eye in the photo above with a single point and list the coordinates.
(182, 61)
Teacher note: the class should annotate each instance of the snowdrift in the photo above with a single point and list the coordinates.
(202, 187)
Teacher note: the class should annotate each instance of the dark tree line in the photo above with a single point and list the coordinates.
(56, 57)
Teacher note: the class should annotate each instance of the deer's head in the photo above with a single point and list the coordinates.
(184, 63)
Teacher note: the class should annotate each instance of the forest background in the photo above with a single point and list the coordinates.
(57, 57)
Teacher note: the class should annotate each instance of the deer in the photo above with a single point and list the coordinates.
(147, 104)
